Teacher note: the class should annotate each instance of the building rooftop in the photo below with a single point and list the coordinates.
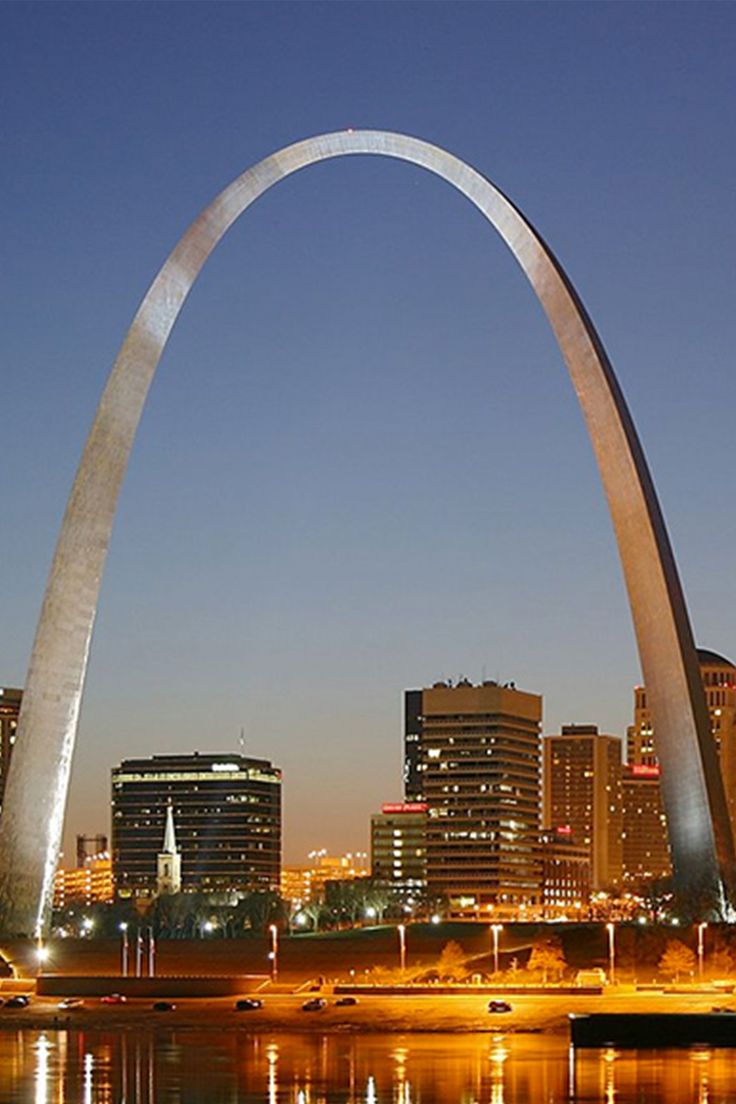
(712, 659)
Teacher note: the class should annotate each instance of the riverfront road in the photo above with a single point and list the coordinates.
(420, 1013)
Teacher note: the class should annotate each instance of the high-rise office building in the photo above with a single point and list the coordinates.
(10, 702)
(399, 849)
(582, 793)
(565, 875)
(472, 756)
(646, 850)
(228, 822)
(719, 682)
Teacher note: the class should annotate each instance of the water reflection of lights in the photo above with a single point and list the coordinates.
(272, 1057)
(403, 1086)
(370, 1092)
(497, 1056)
(608, 1058)
(701, 1061)
(42, 1070)
(89, 1064)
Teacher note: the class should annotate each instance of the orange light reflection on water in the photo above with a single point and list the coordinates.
(108, 1068)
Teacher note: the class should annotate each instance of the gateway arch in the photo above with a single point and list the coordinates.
(30, 829)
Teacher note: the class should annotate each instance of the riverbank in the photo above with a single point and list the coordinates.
(427, 1013)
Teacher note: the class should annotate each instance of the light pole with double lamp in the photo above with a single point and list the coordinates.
(401, 929)
(611, 929)
(496, 930)
(701, 949)
(124, 949)
(273, 954)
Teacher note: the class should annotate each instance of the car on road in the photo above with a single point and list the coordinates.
(19, 1001)
(345, 1002)
(499, 1006)
(113, 998)
(163, 1006)
(71, 1002)
(316, 1004)
(248, 1004)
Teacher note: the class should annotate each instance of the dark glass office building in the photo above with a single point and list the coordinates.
(10, 702)
(472, 756)
(227, 815)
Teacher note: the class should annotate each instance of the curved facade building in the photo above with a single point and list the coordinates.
(30, 832)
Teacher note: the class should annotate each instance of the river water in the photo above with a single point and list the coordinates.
(170, 1067)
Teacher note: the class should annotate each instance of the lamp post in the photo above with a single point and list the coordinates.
(151, 953)
(701, 948)
(496, 930)
(401, 929)
(124, 949)
(610, 928)
(274, 952)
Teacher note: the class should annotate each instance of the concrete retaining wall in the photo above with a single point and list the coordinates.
(63, 985)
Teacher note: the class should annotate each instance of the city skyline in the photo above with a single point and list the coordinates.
(417, 587)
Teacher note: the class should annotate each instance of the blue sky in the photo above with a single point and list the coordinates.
(362, 466)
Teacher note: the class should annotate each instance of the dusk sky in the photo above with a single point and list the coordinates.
(362, 466)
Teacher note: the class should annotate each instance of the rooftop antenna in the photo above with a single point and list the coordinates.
(241, 740)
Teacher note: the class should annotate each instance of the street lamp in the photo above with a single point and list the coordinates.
(701, 947)
(496, 930)
(138, 953)
(274, 952)
(401, 929)
(124, 949)
(151, 953)
(610, 928)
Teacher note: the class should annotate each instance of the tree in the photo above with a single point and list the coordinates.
(451, 964)
(261, 908)
(720, 963)
(547, 958)
(314, 910)
(677, 959)
(377, 898)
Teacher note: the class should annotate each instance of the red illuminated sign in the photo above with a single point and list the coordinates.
(564, 830)
(640, 770)
(405, 807)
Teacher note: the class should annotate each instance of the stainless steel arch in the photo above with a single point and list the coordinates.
(30, 829)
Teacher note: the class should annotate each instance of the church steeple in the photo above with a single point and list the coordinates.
(170, 834)
(169, 860)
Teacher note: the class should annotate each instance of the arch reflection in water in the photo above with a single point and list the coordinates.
(204, 1067)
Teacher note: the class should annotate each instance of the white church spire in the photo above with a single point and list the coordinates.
(170, 834)
(168, 878)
